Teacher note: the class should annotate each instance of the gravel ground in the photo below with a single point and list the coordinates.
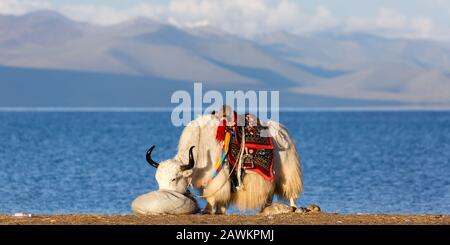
(279, 219)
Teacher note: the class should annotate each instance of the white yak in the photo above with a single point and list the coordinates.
(197, 169)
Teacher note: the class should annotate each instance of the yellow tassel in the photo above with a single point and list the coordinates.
(226, 144)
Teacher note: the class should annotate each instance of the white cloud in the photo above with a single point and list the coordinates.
(244, 18)
(392, 23)
(322, 19)
(422, 27)
(390, 19)
(17, 7)
(233, 16)
(105, 15)
(97, 14)
(249, 18)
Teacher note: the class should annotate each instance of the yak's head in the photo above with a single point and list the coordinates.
(172, 174)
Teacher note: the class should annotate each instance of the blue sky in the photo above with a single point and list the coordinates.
(400, 18)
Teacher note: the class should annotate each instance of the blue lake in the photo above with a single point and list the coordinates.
(94, 162)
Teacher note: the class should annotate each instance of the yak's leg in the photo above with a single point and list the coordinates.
(269, 201)
(221, 209)
(210, 206)
(208, 209)
(292, 203)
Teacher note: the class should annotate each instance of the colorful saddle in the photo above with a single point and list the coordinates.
(258, 155)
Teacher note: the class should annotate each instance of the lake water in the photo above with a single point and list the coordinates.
(94, 162)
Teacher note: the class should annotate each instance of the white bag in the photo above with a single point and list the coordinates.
(164, 202)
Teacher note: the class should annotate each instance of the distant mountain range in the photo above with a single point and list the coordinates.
(47, 59)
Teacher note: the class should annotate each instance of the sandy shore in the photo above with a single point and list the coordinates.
(282, 219)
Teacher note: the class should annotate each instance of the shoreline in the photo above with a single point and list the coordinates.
(239, 219)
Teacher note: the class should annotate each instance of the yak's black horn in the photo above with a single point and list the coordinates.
(191, 163)
(149, 159)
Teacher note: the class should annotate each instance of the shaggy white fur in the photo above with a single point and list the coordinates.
(256, 192)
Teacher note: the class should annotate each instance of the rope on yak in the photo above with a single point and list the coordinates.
(239, 161)
(231, 172)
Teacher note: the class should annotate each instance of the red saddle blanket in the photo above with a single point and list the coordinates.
(258, 151)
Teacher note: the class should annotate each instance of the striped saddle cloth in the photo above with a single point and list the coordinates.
(258, 153)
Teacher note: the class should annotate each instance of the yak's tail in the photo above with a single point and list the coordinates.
(287, 166)
(254, 192)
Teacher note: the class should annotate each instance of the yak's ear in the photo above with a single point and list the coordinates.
(215, 114)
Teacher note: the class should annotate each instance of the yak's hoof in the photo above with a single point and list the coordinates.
(221, 211)
(207, 211)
